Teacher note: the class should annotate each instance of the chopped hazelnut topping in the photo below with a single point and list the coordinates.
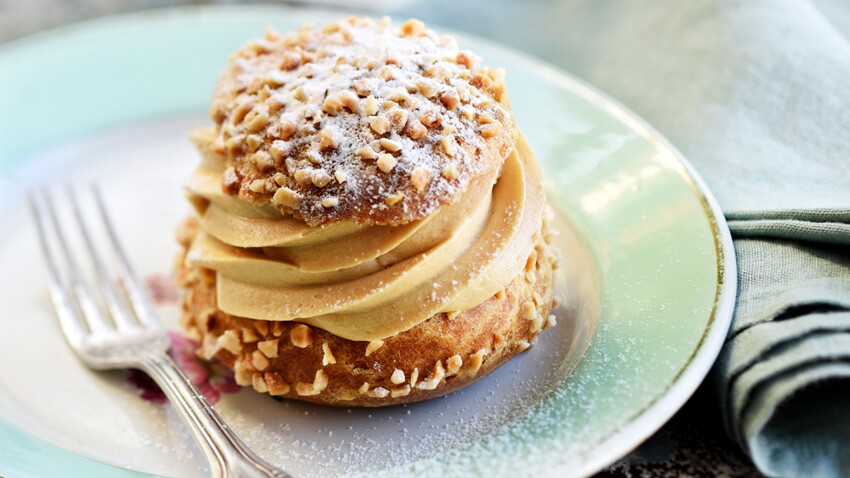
(262, 327)
(210, 346)
(274, 104)
(481, 81)
(287, 197)
(256, 120)
(476, 359)
(465, 59)
(390, 145)
(313, 156)
(490, 130)
(302, 176)
(486, 118)
(530, 277)
(537, 324)
(551, 321)
(437, 72)
(390, 200)
(528, 311)
(448, 143)
(379, 124)
(427, 88)
(412, 27)
(364, 87)
(414, 377)
(379, 392)
(320, 383)
(450, 172)
(327, 356)
(500, 294)
(535, 297)
(370, 106)
(259, 360)
(523, 345)
(249, 335)
(397, 376)
(292, 104)
(340, 176)
(498, 338)
(331, 106)
(531, 261)
(452, 315)
(430, 119)
(301, 336)
(320, 177)
(450, 99)
(398, 95)
(279, 179)
(326, 139)
(241, 375)
(277, 328)
(386, 162)
(263, 161)
(556, 302)
(253, 142)
(233, 145)
(258, 185)
(364, 388)
(331, 201)
(349, 101)
(367, 153)
(392, 59)
(416, 130)
(259, 383)
(373, 346)
(268, 347)
(331, 27)
(276, 384)
(386, 73)
(398, 118)
(240, 112)
(230, 341)
(436, 377)
(420, 177)
(400, 391)
(290, 61)
(454, 363)
(287, 129)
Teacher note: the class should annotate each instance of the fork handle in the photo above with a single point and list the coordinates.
(228, 456)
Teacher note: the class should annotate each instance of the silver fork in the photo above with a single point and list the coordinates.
(128, 333)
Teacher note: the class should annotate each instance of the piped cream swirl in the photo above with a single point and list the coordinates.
(366, 282)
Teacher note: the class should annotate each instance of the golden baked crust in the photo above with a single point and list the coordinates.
(436, 357)
(359, 121)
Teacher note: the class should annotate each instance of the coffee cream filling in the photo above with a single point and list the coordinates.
(365, 282)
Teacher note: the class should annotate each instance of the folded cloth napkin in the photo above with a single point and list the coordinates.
(756, 93)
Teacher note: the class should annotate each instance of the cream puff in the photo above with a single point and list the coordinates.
(371, 226)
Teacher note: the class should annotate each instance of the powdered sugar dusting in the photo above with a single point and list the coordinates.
(402, 115)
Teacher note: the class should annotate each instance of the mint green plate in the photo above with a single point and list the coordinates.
(649, 267)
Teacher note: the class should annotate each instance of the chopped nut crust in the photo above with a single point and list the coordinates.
(301, 336)
(286, 104)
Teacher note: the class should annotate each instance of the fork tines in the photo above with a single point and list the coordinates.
(97, 302)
